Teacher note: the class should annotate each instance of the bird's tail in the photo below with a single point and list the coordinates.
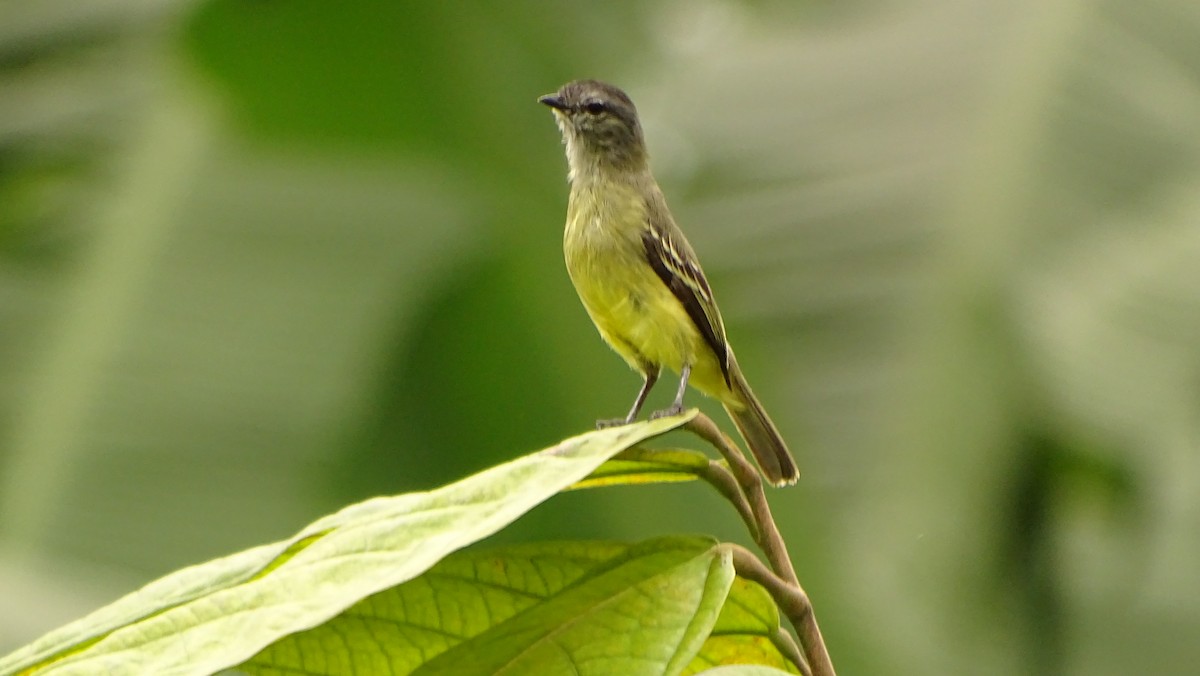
(760, 433)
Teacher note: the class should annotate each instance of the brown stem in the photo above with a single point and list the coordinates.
(793, 602)
(768, 537)
(782, 583)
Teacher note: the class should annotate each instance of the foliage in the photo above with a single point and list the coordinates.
(371, 589)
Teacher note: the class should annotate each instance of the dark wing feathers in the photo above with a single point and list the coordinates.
(679, 271)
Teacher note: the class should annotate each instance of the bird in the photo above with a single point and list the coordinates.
(639, 278)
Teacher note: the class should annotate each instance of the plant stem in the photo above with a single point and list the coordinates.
(780, 580)
(793, 602)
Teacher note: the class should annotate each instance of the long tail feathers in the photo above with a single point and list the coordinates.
(761, 436)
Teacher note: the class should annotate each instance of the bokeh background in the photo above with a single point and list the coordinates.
(260, 259)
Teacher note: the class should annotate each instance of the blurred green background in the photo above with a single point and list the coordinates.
(259, 259)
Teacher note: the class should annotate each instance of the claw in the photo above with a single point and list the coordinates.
(673, 409)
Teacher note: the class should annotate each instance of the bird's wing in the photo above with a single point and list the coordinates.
(673, 261)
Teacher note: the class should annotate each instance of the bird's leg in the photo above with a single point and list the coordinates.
(650, 377)
(676, 407)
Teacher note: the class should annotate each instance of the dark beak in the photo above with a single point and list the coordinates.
(554, 101)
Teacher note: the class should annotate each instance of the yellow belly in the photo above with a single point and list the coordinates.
(635, 312)
(643, 321)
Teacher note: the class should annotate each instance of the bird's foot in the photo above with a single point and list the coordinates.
(673, 409)
(612, 422)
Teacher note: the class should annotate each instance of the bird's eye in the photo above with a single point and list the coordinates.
(595, 107)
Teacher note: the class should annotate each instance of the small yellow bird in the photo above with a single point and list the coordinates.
(637, 275)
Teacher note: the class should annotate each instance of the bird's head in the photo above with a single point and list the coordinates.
(599, 126)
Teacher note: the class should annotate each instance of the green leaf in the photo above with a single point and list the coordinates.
(648, 615)
(747, 632)
(218, 614)
(548, 608)
(475, 597)
(745, 670)
(647, 466)
(462, 596)
(545, 592)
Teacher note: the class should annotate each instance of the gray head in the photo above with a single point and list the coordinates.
(599, 125)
